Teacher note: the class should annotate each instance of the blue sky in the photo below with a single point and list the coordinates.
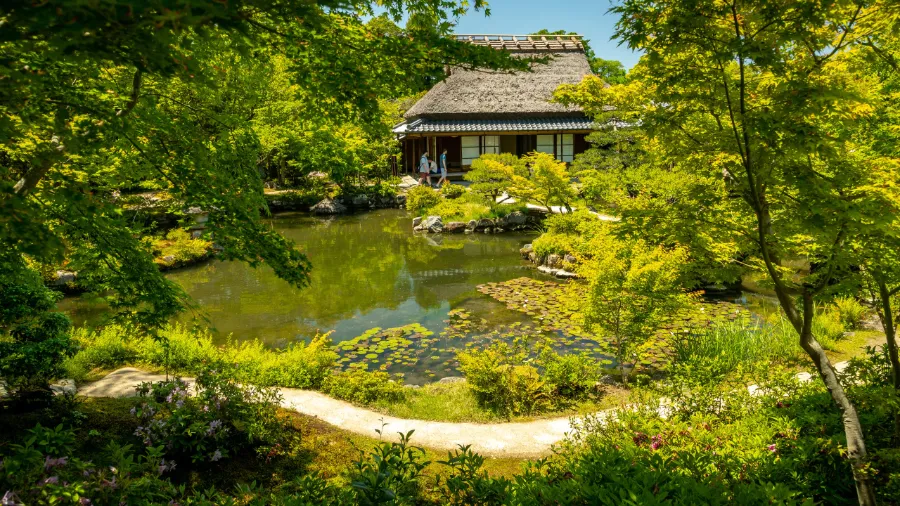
(587, 17)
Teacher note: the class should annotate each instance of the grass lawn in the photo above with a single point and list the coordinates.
(455, 403)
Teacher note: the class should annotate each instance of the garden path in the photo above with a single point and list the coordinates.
(514, 439)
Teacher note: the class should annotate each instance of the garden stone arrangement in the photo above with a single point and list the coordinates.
(514, 221)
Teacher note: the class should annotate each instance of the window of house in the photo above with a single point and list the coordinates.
(491, 144)
(566, 151)
(471, 149)
(544, 144)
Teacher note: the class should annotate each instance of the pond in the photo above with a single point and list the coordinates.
(394, 300)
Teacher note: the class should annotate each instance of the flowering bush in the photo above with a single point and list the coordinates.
(207, 421)
(42, 470)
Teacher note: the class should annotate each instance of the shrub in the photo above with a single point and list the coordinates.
(500, 385)
(452, 191)
(569, 376)
(41, 469)
(550, 243)
(850, 311)
(363, 387)
(181, 246)
(390, 474)
(34, 340)
(492, 174)
(421, 198)
(217, 418)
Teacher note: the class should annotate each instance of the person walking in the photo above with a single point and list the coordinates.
(424, 174)
(443, 166)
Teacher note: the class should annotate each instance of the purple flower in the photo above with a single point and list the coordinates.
(51, 463)
(84, 501)
(773, 448)
(213, 425)
(10, 499)
(216, 456)
(53, 480)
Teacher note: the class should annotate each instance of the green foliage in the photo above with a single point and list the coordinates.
(180, 245)
(850, 311)
(390, 474)
(421, 198)
(468, 484)
(505, 380)
(363, 387)
(452, 191)
(34, 340)
(299, 365)
(827, 327)
(208, 421)
(196, 101)
(729, 345)
(491, 175)
(502, 385)
(569, 234)
(547, 182)
(42, 469)
(571, 376)
(632, 289)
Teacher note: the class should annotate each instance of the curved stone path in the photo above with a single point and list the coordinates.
(513, 439)
(516, 439)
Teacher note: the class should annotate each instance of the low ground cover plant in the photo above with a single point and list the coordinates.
(181, 349)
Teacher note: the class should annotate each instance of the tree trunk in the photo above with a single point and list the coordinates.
(887, 320)
(856, 446)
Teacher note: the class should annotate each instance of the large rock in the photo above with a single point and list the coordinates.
(553, 260)
(570, 259)
(417, 221)
(407, 182)
(64, 387)
(361, 200)
(564, 274)
(471, 225)
(455, 227)
(526, 251)
(64, 278)
(433, 224)
(400, 199)
(449, 380)
(328, 206)
(484, 223)
(516, 218)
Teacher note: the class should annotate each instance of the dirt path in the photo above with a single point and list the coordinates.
(513, 439)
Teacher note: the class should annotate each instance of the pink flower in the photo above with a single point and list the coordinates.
(772, 448)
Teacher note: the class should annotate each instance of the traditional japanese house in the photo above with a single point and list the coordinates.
(473, 112)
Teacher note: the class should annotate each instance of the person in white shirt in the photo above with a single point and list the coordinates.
(424, 174)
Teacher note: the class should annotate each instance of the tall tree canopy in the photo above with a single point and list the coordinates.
(758, 117)
(102, 95)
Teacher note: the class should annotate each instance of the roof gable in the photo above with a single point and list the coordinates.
(490, 94)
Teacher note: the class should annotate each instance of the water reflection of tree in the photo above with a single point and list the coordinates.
(360, 263)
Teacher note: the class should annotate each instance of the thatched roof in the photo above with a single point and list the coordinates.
(488, 94)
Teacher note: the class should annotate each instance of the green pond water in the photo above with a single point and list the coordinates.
(395, 301)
